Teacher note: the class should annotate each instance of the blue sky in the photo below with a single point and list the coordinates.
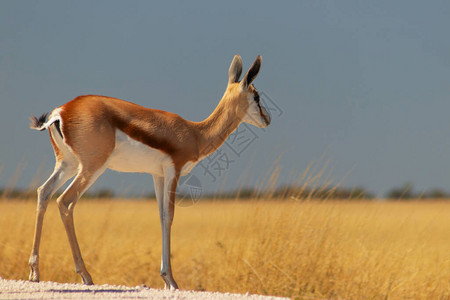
(363, 85)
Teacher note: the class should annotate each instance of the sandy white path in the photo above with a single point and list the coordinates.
(19, 289)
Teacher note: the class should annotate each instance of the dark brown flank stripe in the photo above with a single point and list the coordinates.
(140, 135)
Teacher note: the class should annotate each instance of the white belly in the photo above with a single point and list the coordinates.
(130, 155)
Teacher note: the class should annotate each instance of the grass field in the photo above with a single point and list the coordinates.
(303, 250)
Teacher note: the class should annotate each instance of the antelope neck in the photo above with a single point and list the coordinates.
(215, 129)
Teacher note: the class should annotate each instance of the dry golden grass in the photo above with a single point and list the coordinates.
(304, 250)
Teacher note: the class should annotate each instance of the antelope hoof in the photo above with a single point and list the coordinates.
(169, 282)
(87, 279)
(34, 265)
(34, 276)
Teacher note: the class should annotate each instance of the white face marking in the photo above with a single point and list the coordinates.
(130, 155)
(253, 115)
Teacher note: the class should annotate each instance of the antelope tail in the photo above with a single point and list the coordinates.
(41, 123)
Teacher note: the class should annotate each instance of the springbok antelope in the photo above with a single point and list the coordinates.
(92, 133)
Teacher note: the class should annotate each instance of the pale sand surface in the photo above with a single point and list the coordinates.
(20, 289)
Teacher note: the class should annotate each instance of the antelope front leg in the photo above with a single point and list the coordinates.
(166, 213)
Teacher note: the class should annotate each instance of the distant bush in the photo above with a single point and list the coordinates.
(290, 191)
(30, 194)
(406, 192)
(403, 192)
(323, 193)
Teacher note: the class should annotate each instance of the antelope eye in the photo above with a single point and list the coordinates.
(256, 98)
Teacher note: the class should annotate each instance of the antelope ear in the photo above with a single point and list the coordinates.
(235, 70)
(252, 73)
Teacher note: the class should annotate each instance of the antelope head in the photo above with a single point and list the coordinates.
(244, 95)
